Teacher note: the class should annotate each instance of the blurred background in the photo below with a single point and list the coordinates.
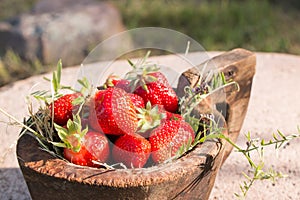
(34, 34)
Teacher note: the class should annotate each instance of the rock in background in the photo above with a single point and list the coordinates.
(65, 29)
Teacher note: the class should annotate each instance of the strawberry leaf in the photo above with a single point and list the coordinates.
(59, 144)
(146, 56)
(150, 79)
(61, 131)
(140, 75)
(149, 117)
(71, 136)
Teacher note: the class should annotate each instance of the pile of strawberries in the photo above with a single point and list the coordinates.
(132, 120)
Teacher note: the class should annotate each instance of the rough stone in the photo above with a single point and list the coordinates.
(60, 30)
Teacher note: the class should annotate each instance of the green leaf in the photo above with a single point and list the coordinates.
(275, 137)
(59, 144)
(47, 79)
(146, 56)
(56, 77)
(72, 128)
(246, 176)
(83, 82)
(282, 135)
(76, 149)
(41, 95)
(144, 86)
(84, 132)
(59, 68)
(61, 131)
(86, 86)
(79, 100)
(223, 78)
(236, 195)
(131, 63)
(54, 82)
(150, 79)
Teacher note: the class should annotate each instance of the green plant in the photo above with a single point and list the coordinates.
(10, 8)
(258, 146)
(13, 67)
(220, 25)
(254, 148)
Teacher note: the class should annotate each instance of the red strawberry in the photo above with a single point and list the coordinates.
(63, 108)
(113, 112)
(94, 147)
(169, 115)
(132, 150)
(168, 138)
(80, 146)
(137, 101)
(153, 86)
(82, 157)
(172, 116)
(116, 81)
(149, 118)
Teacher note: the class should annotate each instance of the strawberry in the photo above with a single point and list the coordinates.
(131, 150)
(94, 147)
(167, 138)
(63, 108)
(113, 112)
(149, 118)
(152, 116)
(116, 81)
(168, 115)
(82, 157)
(137, 101)
(82, 147)
(153, 86)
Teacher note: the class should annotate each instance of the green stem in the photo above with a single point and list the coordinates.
(248, 187)
(271, 143)
(239, 149)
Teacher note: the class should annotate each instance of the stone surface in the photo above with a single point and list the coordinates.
(274, 104)
(54, 6)
(64, 30)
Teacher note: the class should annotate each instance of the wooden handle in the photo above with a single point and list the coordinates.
(237, 65)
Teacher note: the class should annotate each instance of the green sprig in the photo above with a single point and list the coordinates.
(258, 145)
(139, 76)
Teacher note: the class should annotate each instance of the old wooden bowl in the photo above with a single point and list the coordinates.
(190, 177)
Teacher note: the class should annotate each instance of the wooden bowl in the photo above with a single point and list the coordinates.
(190, 177)
(49, 178)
